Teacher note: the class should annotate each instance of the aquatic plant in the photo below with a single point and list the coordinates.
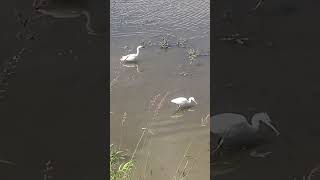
(120, 166)
(192, 54)
(164, 43)
(181, 42)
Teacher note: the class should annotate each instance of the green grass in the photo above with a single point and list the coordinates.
(121, 167)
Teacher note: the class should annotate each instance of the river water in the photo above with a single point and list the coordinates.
(172, 144)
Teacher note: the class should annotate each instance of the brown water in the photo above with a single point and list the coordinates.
(165, 74)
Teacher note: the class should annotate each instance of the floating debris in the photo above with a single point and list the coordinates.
(255, 154)
(184, 74)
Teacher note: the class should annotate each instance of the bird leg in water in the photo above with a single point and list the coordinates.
(220, 142)
(138, 69)
(135, 65)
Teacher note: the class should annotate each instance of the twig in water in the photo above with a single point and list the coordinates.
(153, 101)
(156, 112)
(123, 120)
(204, 121)
(135, 150)
(184, 156)
(194, 162)
(147, 162)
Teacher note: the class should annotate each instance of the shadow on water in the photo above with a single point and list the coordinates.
(41, 125)
(269, 75)
(173, 144)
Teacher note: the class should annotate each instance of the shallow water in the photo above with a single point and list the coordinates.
(165, 74)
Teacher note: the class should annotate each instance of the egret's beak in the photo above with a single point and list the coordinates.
(273, 128)
(195, 101)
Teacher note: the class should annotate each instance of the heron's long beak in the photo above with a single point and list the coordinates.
(195, 101)
(273, 128)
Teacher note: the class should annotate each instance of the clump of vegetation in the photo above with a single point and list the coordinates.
(192, 54)
(181, 42)
(120, 166)
(164, 43)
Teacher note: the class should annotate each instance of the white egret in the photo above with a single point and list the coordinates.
(234, 129)
(182, 101)
(131, 57)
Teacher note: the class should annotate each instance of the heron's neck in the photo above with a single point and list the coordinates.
(137, 52)
(255, 124)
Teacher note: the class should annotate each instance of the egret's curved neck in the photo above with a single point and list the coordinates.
(137, 51)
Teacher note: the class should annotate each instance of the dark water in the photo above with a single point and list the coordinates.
(281, 80)
(52, 104)
(165, 74)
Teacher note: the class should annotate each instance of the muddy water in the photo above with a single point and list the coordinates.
(174, 144)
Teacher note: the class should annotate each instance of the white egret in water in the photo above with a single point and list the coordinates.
(234, 129)
(131, 57)
(182, 101)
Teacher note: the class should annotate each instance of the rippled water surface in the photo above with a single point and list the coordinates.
(173, 144)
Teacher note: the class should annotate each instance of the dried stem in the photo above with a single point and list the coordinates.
(184, 156)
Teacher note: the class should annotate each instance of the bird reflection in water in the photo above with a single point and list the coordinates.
(66, 9)
(131, 65)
